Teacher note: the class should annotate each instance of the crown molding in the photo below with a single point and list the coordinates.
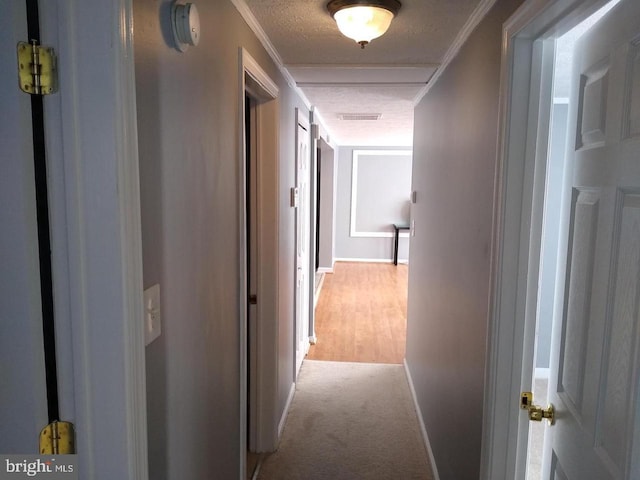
(257, 29)
(474, 19)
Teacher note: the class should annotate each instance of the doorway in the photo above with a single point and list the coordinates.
(258, 200)
(597, 212)
(549, 302)
(251, 199)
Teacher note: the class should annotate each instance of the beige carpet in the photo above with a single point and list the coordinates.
(350, 421)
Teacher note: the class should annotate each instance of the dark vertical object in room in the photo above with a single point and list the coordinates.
(318, 181)
(247, 192)
(44, 236)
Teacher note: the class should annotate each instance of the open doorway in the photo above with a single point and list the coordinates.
(361, 309)
(258, 326)
(593, 361)
(549, 304)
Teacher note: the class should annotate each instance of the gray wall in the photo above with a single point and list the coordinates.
(348, 247)
(188, 141)
(455, 135)
(328, 182)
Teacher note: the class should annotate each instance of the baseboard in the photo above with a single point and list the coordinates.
(313, 340)
(325, 270)
(371, 260)
(285, 412)
(423, 429)
(316, 292)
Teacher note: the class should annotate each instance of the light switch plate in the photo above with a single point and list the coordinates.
(152, 324)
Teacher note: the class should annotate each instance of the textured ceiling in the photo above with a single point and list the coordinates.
(336, 75)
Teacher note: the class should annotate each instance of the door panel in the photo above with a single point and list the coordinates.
(619, 384)
(303, 214)
(575, 325)
(597, 361)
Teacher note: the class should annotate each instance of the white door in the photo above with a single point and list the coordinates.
(22, 378)
(303, 214)
(595, 358)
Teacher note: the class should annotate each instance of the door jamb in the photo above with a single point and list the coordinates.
(97, 202)
(264, 377)
(517, 226)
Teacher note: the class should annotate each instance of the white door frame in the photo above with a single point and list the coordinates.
(95, 207)
(301, 345)
(526, 66)
(263, 436)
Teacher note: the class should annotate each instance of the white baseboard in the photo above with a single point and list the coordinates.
(371, 260)
(325, 270)
(316, 293)
(285, 412)
(423, 429)
(313, 339)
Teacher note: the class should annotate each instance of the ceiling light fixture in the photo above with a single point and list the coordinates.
(363, 20)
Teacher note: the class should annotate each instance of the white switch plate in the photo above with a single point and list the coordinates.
(151, 314)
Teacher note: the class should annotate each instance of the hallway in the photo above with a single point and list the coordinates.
(350, 421)
(352, 416)
(361, 315)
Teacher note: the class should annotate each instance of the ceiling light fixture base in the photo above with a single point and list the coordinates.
(336, 5)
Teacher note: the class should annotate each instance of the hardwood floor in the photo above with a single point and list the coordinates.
(361, 314)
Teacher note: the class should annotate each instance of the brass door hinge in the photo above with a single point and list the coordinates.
(58, 438)
(37, 69)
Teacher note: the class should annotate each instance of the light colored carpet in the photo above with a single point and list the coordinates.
(536, 432)
(350, 421)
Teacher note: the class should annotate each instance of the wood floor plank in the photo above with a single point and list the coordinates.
(361, 315)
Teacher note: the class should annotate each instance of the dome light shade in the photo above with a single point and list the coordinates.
(363, 20)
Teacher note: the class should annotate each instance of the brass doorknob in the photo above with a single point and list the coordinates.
(536, 413)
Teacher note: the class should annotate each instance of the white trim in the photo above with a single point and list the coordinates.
(129, 188)
(325, 135)
(285, 412)
(264, 431)
(325, 270)
(256, 28)
(472, 22)
(508, 297)
(316, 297)
(103, 231)
(303, 121)
(253, 68)
(378, 235)
(370, 260)
(355, 156)
(423, 429)
(561, 100)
